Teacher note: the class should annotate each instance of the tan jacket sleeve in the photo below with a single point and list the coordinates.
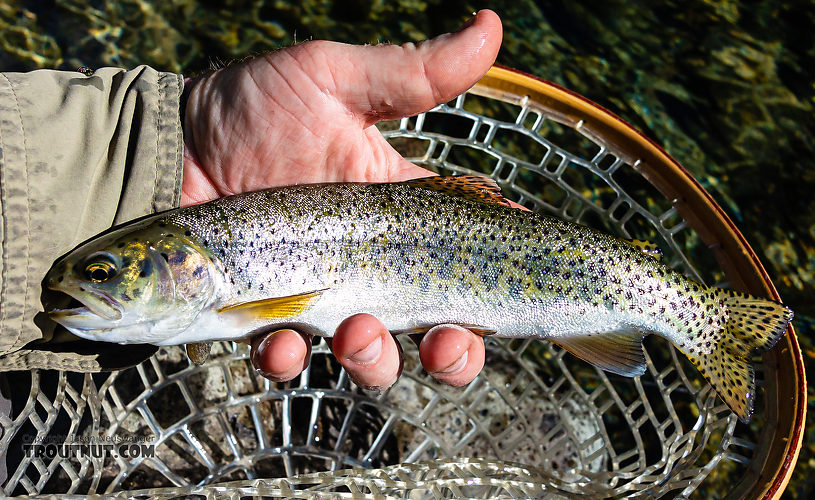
(77, 154)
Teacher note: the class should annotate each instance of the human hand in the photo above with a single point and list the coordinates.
(305, 114)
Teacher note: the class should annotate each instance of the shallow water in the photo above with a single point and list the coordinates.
(725, 87)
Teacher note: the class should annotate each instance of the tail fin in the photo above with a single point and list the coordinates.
(752, 325)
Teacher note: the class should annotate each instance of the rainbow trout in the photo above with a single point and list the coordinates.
(415, 254)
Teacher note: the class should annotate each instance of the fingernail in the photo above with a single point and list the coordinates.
(282, 356)
(455, 368)
(274, 377)
(468, 23)
(369, 354)
(258, 345)
(270, 376)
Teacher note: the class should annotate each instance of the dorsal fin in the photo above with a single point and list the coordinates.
(646, 247)
(471, 187)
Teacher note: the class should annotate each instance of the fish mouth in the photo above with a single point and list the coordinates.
(98, 310)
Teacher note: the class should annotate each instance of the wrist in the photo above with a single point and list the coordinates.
(196, 187)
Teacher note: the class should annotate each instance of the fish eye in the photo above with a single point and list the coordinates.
(101, 267)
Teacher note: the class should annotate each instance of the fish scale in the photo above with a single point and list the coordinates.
(443, 250)
(382, 238)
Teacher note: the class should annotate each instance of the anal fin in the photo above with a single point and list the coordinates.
(618, 352)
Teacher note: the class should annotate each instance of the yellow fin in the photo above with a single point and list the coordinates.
(198, 352)
(752, 325)
(619, 352)
(274, 308)
(646, 247)
(470, 187)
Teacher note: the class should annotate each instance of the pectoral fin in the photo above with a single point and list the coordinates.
(273, 308)
(198, 352)
(619, 352)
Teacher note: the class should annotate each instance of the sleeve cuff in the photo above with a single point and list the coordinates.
(78, 154)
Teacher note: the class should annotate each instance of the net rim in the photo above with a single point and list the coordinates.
(779, 444)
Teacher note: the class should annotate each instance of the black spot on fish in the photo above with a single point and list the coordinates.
(146, 268)
(177, 258)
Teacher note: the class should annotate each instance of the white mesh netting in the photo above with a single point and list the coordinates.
(535, 423)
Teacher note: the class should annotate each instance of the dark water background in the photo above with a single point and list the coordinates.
(726, 87)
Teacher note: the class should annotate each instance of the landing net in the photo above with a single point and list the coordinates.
(536, 422)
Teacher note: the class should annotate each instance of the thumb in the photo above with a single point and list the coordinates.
(386, 82)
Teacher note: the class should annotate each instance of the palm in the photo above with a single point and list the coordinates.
(269, 134)
(305, 113)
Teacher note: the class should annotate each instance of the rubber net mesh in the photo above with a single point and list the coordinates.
(535, 423)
